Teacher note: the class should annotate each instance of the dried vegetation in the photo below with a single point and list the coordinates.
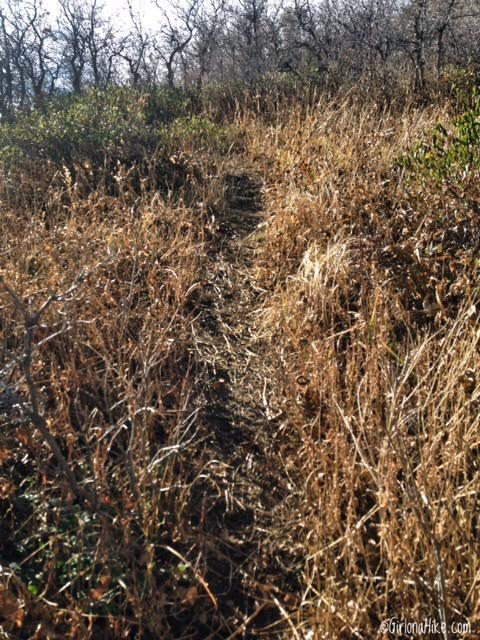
(365, 269)
(374, 318)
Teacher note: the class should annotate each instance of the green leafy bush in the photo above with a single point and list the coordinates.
(453, 154)
(78, 129)
(119, 124)
(94, 136)
(198, 132)
(163, 104)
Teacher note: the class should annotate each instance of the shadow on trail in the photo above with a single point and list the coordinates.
(234, 501)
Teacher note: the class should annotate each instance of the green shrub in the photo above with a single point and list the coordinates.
(453, 154)
(90, 139)
(199, 133)
(78, 129)
(117, 124)
(164, 105)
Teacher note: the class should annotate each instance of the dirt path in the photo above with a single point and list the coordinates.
(249, 564)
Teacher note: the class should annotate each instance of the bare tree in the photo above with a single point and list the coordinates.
(135, 49)
(71, 27)
(249, 31)
(175, 35)
(328, 41)
(89, 48)
(449, 17)
(206, 43)
(424, 31)
(102, 46)
(27, 49)
(36, 52)
(317, 33)
(369, 39)
(7, 71)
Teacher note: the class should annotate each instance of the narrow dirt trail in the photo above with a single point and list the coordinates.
(249, 559)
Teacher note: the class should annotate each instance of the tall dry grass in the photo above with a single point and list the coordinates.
(114, 369)
(371, 305)
(373, 316)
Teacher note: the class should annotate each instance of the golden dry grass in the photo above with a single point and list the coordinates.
(370, 304)
(113, 368)
(373, 315)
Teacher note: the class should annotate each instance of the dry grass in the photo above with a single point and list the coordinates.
(373, 315)
(113, 366)
(371, 303)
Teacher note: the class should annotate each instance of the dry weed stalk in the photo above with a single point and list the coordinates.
(30, 322)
